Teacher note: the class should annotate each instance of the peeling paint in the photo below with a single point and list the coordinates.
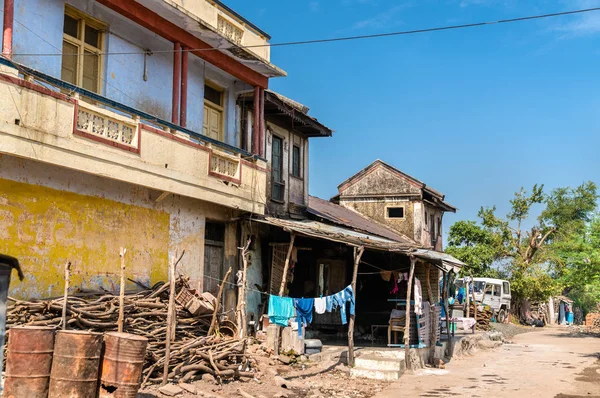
(45, 227)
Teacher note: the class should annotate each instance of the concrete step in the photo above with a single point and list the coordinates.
(389, 375)
(376, 362)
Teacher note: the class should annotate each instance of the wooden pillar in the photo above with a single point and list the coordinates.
(411, 275)
(261, 123)
(184, 87)
(433, 321)
(7, 27)
(358, 252)
(468, 312)
(241, 307)
(256, 122)
(176, 83)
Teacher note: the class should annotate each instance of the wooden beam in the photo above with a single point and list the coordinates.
(286, 266)
(358, 252)
(168, 30)
(411, 275)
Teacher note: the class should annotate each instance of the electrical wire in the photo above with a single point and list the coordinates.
(349, 38)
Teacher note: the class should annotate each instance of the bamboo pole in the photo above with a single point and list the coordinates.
(213, 322)
(171, 320)
(413, 261)
(358, 252)
(286, 268)
(241, 307)
(66, 296)
(122, 252)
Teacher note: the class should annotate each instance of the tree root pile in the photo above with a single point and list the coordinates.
(192, 352)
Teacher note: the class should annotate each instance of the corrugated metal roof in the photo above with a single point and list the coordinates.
(343, 216)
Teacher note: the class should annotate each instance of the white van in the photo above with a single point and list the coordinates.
(495, 293)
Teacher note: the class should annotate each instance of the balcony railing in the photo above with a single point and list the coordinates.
(124, 134)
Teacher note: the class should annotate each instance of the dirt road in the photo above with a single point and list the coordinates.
(548, 363)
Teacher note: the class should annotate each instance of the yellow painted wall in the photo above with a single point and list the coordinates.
(44, 227)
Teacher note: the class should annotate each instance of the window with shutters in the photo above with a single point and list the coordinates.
(296, 161)
(214, 110)
(278, 185)
(81, 52)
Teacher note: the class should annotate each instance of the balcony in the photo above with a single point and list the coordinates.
(90, 133)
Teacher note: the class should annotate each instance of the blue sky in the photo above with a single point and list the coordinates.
(475, 113)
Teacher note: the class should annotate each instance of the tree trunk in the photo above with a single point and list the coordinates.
(358, 252)
(241, 307)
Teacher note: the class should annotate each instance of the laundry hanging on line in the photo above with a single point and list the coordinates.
(279, 312)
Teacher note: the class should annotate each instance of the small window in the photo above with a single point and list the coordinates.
(296, 161)
(497, 290)
(506, 288)
(395, 212)
(213, 95)
(426, 217)
(82, 47)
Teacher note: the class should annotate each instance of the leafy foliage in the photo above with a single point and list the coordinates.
(560, 250)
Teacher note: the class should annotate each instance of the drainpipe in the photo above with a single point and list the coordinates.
(184, 87)
(176, 83)
(7, 34)
(256, 124)
(261, 120)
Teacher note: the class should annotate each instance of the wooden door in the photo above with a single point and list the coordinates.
(212, 123)
(213, 266)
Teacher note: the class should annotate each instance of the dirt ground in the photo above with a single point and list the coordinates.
(303, 380)
(542, 362)
(550, 362)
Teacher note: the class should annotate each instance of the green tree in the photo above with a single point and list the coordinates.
(529, 254)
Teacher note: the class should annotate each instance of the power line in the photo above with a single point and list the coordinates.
(351, 38)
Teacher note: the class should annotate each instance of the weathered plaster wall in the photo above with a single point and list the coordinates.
(377, 210)
(295, 188)
(49, 215)
(122, 77)
(380, 181)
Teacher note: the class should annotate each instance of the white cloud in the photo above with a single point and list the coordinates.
(582, 24)
(383, 19)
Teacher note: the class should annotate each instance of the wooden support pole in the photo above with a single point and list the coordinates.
(474, 301)
(122, 291)
(171, 320)
(411, 275)
(286, 267)
(446, 309)
(66, 296)
(241, 307)
(358, 252)
(213, 322)
(468, 312)
(433, 321)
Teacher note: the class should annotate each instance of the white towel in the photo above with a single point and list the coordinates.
(320, 305)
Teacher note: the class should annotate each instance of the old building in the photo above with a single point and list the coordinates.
(397, 200)
(120, 127)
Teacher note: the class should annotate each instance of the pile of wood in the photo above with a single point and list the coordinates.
(483, 318)
(192, 351)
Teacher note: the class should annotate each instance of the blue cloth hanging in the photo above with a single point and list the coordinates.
(340, 299)
(304, 312)
(281, 310)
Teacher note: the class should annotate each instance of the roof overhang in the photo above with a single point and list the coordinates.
(319, 230)
(290, 114)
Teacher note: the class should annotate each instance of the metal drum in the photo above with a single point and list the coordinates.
(28, 362)
(76, 364)
(122, 364)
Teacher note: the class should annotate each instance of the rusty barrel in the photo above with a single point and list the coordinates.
(122, 365)
(75, 365)
(28, 362)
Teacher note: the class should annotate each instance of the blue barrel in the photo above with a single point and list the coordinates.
(570, 318)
